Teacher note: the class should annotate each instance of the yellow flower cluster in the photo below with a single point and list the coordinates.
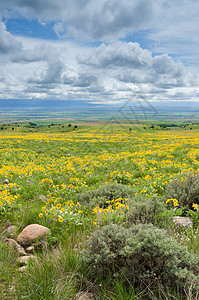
(55, 208)
(46, 180)
(8, 194)
(175, 201)
(116, 205)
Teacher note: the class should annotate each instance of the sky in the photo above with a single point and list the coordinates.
(102, 51)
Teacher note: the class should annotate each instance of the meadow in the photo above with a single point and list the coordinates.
(80, 182)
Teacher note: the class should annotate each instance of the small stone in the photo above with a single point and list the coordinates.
(183, 221)
(30, 249)
(24, 260)
(14, 246)
(5, 181)
(31, 233)
(10, 231)
(22, 269)
(84, 296)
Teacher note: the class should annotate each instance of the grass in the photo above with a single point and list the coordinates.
(62, 165)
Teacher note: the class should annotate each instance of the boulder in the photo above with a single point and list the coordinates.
(32, 233)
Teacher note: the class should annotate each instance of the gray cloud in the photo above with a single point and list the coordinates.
(39, 53)
(8, 43)
(106, 19)
(52, 74)
(87, 18)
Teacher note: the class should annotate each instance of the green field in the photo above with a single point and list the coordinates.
(108, 192)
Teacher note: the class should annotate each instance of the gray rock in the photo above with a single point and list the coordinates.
(10, 232)
(32, 233)
(14, 246)
(183, 221)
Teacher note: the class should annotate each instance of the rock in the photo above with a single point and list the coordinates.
(84, 296)
(10, 232)
(22, 269)
(14, 246)
(24, 260)
(31, 233)
(183, 221)
(30, 249)
(5, 181)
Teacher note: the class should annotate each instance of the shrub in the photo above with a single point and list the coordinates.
(143, 255)
(186, 191)
(144, 210)
(106, 192)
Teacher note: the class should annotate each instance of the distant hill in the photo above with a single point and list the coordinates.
(129, 110)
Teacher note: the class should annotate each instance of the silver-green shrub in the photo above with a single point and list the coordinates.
(144, 210)
(145, 256)
(186, 191)
(106, 192)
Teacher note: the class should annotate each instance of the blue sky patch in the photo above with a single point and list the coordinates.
(140, 37)
(31, 28)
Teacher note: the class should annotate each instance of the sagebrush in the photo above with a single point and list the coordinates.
(144, 255)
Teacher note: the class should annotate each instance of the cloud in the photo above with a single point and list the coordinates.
(177, 31)
(87, 19)
(129, 63)
(39, 53)
(113, 71)
(52, 74)
(170, 27)
(118, 55)
(104, 20)
(8, 43)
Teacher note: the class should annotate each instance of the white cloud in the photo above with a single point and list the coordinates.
(112, 72)
(118, 55)
(68, 69)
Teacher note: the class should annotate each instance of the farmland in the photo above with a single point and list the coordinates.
(52, 173)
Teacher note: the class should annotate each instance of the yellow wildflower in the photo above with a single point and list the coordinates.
(195, 206)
